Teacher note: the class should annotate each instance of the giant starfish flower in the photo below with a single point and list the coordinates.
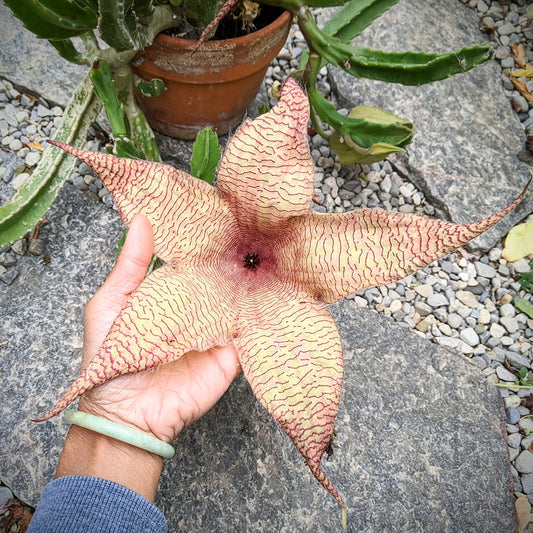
(249, 262)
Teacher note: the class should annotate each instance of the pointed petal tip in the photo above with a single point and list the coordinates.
(522, 195)
(76, 389)
(316, 470)
(528, 184)
(47, 416)
(294, 98)
(291, 84)
(480, 227)
(64, 146)
(82, 155)
(89, 157)
(60, 406)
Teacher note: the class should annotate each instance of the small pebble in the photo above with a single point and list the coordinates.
(9, 276)
(469, 336)
(20, 180)
(454, 320)
(497, 331)
(505, 375)
(484, 270)
(19, 247)
(5, 494)
(36, 247)
(512, 417)
(524, 462)
(527, 483)
(510, 324)
(437, 300)
(32, 158)
(521, 266)
(425, 290)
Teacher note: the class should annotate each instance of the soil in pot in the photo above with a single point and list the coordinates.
(209, 88)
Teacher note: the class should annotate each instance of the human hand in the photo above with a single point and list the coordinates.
(163, 401)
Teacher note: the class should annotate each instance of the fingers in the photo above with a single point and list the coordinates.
(205, 377)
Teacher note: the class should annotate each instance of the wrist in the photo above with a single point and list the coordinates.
(87, 453)
(126, 414)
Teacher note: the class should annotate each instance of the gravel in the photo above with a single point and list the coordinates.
(463, 305)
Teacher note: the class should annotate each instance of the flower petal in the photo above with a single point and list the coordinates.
(267, 172)
(291, 354)
(169, 315)
(345, 253)
(186, 214)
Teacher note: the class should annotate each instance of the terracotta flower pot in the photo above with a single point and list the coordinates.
(212, 87)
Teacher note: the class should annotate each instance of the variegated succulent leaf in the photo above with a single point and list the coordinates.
(249, 262)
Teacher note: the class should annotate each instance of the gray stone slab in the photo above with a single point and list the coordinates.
(464, 155)
(41, 323)
(34, 63)
(419, 433)
(420, 448)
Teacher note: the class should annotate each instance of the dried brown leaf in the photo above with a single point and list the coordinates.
(35, 232)
(519, 55)
(35, 146)
(19, 516)
(521, 87)
(529, 402)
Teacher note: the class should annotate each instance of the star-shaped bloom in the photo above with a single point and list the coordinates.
(248, 262)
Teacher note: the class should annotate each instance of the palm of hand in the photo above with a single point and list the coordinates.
(166, 400)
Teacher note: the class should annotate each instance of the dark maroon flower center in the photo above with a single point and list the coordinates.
(251, 261)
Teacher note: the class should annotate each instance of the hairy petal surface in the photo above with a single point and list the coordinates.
(170, 314)
(187, 214)
(337, 255)
(267, 172)
(291, 355)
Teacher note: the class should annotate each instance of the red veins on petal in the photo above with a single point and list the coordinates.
(248, 261)
(291, 355)
(170, 314)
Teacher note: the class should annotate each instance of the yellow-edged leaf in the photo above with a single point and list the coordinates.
(519, 242)
(526, 72)
(365, 156)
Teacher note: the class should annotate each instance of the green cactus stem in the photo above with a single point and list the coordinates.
(37, 195)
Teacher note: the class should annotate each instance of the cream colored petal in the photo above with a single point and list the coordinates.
(170, 314)
(267, 172)
(333, 256)
(290, 352)
(189, 218)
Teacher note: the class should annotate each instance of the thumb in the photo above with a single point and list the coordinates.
(132, 262)
(125, 277)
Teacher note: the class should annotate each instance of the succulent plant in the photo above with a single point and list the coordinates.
(365, 135)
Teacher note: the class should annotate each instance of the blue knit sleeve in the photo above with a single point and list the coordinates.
(73, 504)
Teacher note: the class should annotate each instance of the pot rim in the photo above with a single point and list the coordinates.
(279, 22)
